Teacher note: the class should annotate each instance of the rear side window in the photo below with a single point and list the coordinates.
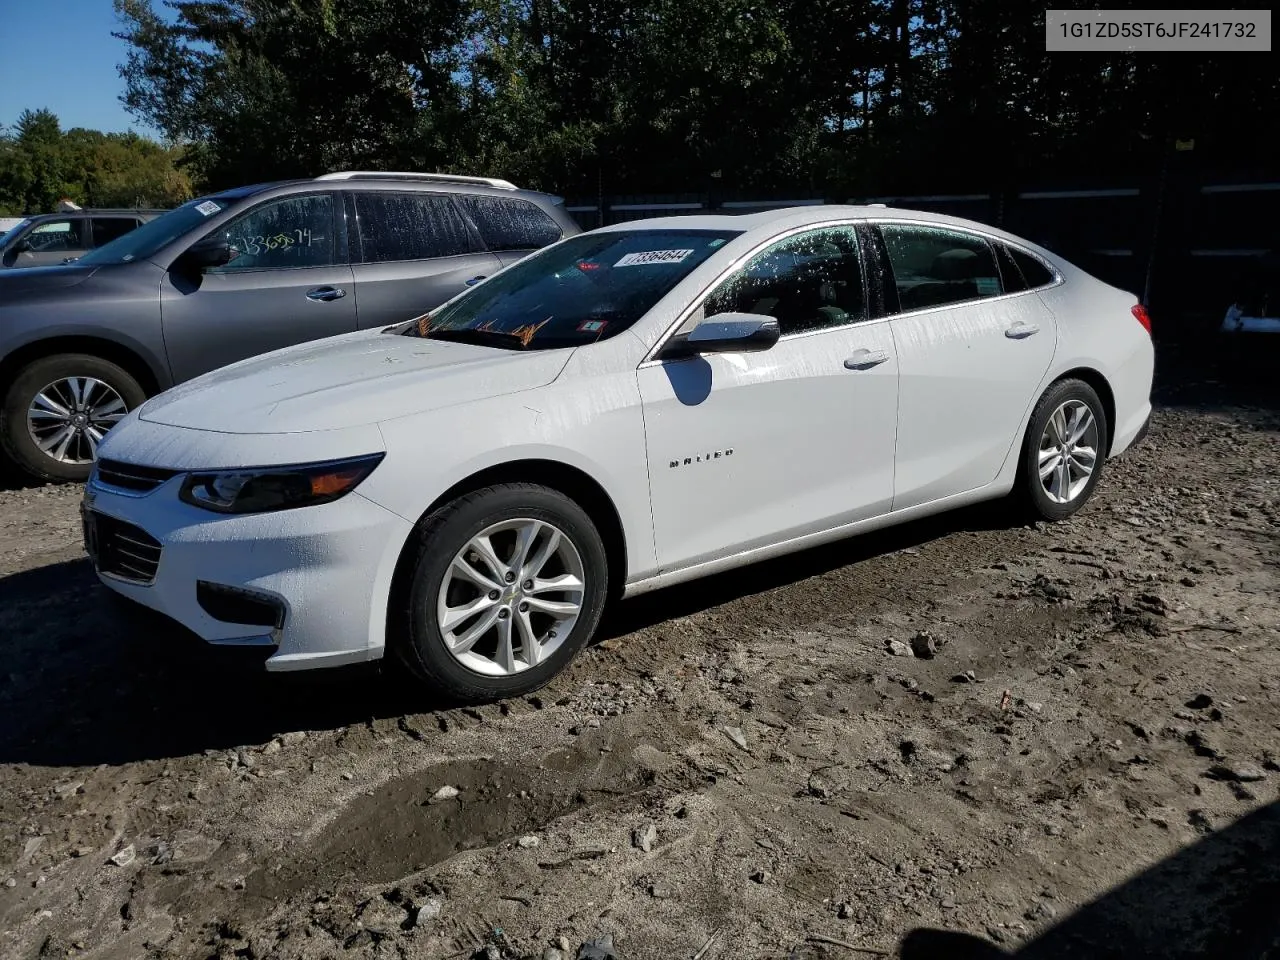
(410, 226)
(1035, 272)
(106, 229)
(510, 224)
(933, 267)
(1010, 274)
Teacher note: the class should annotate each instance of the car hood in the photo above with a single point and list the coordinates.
(348, 381)
(23, 279)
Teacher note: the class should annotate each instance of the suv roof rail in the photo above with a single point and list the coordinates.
(396, 175)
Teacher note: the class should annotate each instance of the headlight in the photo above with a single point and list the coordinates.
(260, 489)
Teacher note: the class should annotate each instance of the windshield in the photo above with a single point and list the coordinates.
(151, 236)
(12, 231)
(587, 288)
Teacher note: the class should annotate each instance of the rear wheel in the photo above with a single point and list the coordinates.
(507, 584)
(59, 408)
(1063, 452)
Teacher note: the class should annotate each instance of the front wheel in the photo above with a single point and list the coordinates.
(59, 408)
(1063, 452)
(507, 584)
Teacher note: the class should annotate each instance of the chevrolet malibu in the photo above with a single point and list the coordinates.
(629, 408)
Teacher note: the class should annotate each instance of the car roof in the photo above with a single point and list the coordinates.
(373, 182)
(768, 222)
(94, 212)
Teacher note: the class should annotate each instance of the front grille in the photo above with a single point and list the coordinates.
(126, 551)
(127, 476)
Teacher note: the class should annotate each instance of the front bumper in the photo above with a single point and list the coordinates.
(324, 570)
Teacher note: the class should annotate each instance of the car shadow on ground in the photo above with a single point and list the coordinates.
(1216, 898)
(88, 680)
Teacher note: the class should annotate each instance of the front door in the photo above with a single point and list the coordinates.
(288, 283)
(750, 449)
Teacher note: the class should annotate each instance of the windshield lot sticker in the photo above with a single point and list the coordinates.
(652, 256)
(591, 326)
(208, 208)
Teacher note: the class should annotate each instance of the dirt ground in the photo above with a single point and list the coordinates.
(745, 767)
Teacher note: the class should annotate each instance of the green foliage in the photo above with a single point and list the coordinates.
(40, 165)
(844, 96)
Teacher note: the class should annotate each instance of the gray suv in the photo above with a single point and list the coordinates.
(51, 238)
(236, 274)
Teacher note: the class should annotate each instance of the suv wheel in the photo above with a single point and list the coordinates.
(59, 408)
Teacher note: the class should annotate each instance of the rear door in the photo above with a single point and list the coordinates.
(510, 227)
(971, 355)
(411, 252)
(289, 282)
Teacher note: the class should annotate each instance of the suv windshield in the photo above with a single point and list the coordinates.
(587, 288)
(151, 236)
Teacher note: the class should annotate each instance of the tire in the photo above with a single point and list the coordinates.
(483, 673)
(1030, 490)
(46, 375)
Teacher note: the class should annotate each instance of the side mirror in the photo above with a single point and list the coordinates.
(22, 246)
(209, 252)
(726, 333)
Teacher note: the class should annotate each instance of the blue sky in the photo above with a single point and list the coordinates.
(60, 54)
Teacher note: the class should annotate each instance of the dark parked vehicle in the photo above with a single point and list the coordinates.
(51, 238)
(237, 274)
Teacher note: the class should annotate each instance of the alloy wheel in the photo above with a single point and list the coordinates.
(68, 418)
(1068, 451)
(511, 596)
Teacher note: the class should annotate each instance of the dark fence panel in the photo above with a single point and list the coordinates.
(1183, 245)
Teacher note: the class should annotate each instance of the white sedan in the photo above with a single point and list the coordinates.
(632, 407)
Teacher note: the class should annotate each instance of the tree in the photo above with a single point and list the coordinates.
(40, 165)
(265, 89)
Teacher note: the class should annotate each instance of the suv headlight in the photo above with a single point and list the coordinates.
(261, 489)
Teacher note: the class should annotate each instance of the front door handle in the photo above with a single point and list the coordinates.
(865, 359)
(325, 294)
(1020, 330)
(474, 280)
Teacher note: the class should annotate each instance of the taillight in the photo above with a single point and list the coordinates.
(1141, 315)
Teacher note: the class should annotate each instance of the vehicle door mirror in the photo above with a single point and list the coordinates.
(725, 333)
(209, 252)
(22, 246)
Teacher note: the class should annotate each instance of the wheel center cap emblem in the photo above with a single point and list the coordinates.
(79, 420)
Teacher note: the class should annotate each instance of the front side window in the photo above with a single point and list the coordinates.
(510, 224)
(106, 229)
(934, 267)
(582, 290)
(811, 281)
(410, 226)
(57, 236)
(280, 234)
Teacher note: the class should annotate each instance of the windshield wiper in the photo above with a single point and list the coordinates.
(485, 338)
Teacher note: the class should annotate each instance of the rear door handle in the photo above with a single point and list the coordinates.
(865, 359)
(325, 294)
(474, 280)
(1020, 331)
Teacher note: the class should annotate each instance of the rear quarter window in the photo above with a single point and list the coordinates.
(510, 224)
(1035, 272)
